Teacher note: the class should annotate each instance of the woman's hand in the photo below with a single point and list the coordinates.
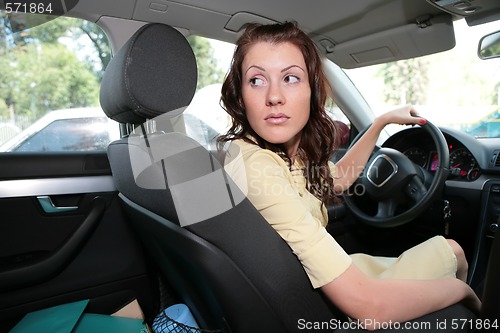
(405, 115)
(352, 164)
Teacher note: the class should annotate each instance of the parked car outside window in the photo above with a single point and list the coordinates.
(66, 130)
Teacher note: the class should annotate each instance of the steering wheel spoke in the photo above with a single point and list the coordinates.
(415, 190)
(386, 208)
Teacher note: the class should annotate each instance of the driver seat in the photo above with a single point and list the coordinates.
(213, 247)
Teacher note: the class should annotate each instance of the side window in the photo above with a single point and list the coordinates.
(204, 118)
(49, 86)
(343, 127)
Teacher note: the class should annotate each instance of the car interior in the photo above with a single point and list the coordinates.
(154, 217)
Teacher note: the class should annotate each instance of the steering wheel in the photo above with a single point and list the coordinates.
(393, 181)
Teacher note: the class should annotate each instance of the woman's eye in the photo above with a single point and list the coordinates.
(255, 81)
(291, 79)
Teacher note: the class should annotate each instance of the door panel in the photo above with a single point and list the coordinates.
(46, 251)
(50, 256)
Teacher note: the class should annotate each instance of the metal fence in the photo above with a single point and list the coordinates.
(10, 127)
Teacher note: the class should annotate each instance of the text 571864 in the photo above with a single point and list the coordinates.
(28, 8)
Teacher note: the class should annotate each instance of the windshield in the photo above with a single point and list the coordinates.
(452, 89)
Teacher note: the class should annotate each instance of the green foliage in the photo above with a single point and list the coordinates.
(4, 110)
(208, 72)
(41, 70)
(100, 45)
(54, 79)
(51, 31)
(6, 79)
(80, 32)
(406, 81)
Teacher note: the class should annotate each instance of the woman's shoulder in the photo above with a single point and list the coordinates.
(245, 146)
(250, 151)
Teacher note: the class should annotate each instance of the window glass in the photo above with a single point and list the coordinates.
(69, 135)
(49, 85)
(452, 89)
(204, 118)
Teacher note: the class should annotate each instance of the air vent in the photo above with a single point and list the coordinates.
(495, 159)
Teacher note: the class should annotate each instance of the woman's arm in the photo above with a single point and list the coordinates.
(350, 166)
(380, 301)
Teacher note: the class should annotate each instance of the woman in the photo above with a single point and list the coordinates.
(275, 93)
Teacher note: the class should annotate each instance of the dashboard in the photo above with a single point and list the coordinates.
(472, 190)
(418, 146)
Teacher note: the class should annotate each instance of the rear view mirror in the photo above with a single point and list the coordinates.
(489, 46)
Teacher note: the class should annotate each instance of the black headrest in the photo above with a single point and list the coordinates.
(154, 73)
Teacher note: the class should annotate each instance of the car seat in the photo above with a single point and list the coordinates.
(213, 247)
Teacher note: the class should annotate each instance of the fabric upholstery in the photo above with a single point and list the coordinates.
(154, 73)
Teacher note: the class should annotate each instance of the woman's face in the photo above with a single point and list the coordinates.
(276, 93)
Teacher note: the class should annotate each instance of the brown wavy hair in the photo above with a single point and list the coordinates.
(319, 136)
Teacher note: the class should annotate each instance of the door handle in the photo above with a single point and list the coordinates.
(46, 268)
(49, 207)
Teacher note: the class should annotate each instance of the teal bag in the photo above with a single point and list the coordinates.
(70, 318)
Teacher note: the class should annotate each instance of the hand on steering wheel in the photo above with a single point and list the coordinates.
(391, 180)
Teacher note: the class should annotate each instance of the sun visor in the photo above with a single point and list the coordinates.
(409, 41)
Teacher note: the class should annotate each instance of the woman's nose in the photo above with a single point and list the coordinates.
(275, 95)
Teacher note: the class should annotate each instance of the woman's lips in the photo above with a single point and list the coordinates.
(276, 118)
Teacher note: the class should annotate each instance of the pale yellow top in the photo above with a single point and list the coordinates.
(280, 195)
(282, 198)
